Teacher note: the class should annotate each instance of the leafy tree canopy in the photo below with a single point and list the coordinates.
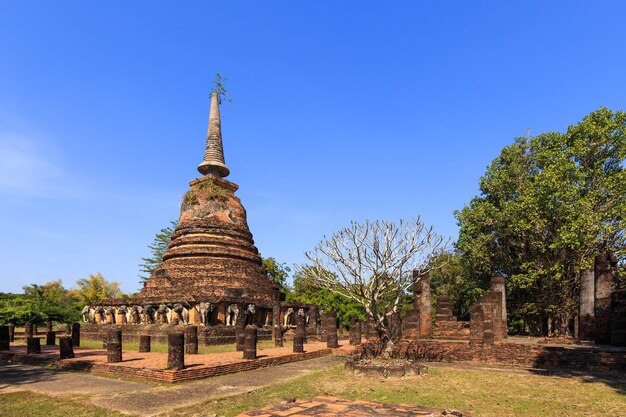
(305, 290)
(278, 272)
(548, 205)
(95, 288)
(157, 249)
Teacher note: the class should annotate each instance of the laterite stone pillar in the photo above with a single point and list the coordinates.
(240, 329)
(498, 285)
(298, 344)
(191, 340)
(51, 338)
(5, 343)
(424, 305)
(11, 327)
(355, 331)
(370, 329)
(68, 330)
(144, 343)
(176, 351)
(604, 286)
(586, 311)
(76, 334)
(332, 341)
(33, 345)
(28, 330)
(114, 346)
(277, 333)
(249, 343)
(66, 350)
(49, 326)
(300, 327)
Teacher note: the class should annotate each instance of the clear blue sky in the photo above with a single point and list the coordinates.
(341, 110)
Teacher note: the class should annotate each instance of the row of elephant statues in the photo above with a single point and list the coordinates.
(170, 313)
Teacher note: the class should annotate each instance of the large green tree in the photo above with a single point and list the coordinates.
(158, 247)
(278, 272)
(548, 205)
(305, 290)
(96, 288)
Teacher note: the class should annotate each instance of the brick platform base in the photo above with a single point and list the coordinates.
(337, 407)
(150, 366)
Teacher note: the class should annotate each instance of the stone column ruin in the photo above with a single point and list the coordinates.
(76, 334)
(277, 333)
(51, 338)
(423, 303)
(355, 331)
(498, 285)
(332, 340)
(301, 327)
(176, 351)
(33, 345)
(5, 342)
(240, 328)
(370, 329)
(11, 327)
(618, 318)
(66, 350)
(249, 343)
(28, 330)
(586, 310)
(114, 346)
(144, 343)
(191, 340)
(604, 285)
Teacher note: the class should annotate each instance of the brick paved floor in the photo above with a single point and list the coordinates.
(337, 407)
(158, 360)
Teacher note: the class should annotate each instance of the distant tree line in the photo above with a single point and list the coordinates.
(53, 302)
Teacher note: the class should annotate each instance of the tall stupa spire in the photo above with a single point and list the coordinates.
(213, 162)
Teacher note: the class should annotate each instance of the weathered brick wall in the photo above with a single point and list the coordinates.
(535, 356)
(452, 330)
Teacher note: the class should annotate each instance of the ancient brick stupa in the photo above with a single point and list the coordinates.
(211, 257)
(211, 271)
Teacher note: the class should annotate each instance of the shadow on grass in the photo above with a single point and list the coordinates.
(15, 374)
(606, 365)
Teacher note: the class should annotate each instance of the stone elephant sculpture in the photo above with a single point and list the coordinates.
(148, 314)
(89, 314)
(232, 311)
(162, 313)
(110, 311)
(179, 312)
(249, 315)
(99, 314)
(134, 314)
(122, 313)
(204, 310)
(287, 318)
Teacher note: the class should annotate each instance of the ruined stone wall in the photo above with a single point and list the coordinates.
(535, 356)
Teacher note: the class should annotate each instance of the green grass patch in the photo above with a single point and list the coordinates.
(479, 392)
(30, 404)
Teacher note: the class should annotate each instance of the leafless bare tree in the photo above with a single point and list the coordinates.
(373, 263)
